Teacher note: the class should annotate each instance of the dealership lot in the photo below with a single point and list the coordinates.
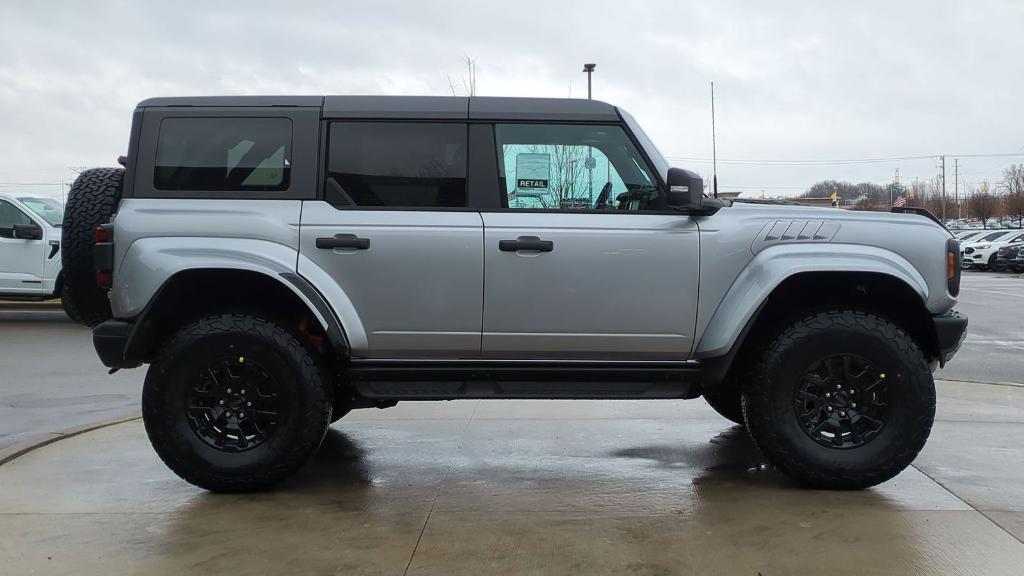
(544, 487)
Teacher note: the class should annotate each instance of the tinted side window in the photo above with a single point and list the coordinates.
(403, 165)
(573, 167)
(223, 154)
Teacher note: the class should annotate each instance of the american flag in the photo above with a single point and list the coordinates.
(899, 202)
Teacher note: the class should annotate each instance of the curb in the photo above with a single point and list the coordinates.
(34, 443)
(29, 305)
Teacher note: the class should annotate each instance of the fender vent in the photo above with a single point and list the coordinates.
(786, 231)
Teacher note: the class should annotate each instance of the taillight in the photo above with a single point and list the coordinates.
(103, 256)
(104, 279)
(953, 267)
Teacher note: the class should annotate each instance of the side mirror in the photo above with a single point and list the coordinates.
(28, 232)
(685, 190)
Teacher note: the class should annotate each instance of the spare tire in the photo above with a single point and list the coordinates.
(91, 202)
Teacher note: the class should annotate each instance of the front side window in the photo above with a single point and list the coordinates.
(223, 154)
(10, 215)
(573, 167)
(397, 165)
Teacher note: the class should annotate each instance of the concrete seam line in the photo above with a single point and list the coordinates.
(20, 449)
(1011, 384)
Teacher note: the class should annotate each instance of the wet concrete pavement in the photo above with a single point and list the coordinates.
(994, 349)
(51, 380)
(534, 487)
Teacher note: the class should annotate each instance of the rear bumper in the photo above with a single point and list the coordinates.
(950, 329)
(110, 338)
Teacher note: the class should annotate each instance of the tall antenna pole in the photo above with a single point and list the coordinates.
(714, 144)
(943, 190)
(956, 185)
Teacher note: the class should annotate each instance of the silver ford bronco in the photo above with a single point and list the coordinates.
(280, 261)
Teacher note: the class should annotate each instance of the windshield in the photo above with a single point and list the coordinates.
(660, 164)
(48, 209)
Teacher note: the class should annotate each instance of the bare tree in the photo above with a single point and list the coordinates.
(568, 164)
(467, 81)
(1013, 192)
(983, 204)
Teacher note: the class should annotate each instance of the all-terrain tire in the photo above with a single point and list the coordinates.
(91, 201)
(771, 400)
(302, 407)
(727, 400)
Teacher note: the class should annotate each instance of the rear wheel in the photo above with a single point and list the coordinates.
(841, 399)
(235, 403)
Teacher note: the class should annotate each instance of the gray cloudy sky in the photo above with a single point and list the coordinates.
(794, 80)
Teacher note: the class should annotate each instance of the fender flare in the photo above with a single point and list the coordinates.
(152, 263)
(770, 267)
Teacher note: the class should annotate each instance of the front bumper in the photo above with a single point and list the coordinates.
(950, 330)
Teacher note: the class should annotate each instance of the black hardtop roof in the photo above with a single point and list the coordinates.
(421, 107)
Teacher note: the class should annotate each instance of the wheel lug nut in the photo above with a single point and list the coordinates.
(229, 390)
(853, 405)
(242, 392)
(842, 414)
(221, 402)
(828, 394)
(249, 404)
(851, 391)
(241, 414)
(227, 414)
(828, 408)
(839, 386)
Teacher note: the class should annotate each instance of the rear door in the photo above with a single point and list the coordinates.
(584, 263)
(401, 250)
(21, 260)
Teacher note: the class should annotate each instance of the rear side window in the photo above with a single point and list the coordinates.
(399, 165)
(223, 154)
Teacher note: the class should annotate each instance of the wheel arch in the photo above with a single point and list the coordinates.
(192, 293)
(882, 293)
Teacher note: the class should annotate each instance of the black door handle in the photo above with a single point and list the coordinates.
(526, 243)
(343, 241)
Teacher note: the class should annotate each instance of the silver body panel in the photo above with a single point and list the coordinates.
(157, 238)
(740, 268)
(615, 286)
(417, 291)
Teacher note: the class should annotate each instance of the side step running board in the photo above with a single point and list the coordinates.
(450, 380)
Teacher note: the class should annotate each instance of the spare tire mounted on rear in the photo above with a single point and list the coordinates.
(91, 202)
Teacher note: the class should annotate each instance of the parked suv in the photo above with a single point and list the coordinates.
(982, 252)
(29, 247)
(279, 261)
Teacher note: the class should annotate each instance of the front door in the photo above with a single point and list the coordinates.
(403, 252)
(21, 261)
(584, 264)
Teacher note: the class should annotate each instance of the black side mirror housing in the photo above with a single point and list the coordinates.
(28, 232)
(686, 193)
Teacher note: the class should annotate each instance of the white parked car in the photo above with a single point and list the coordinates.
(981, 251)
(30, 263)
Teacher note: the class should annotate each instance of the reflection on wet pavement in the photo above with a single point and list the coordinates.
(521, 487)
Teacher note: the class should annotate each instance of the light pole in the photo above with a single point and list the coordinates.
(589, 69)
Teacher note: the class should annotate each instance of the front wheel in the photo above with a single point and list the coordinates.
(235, 403)
(842, 399)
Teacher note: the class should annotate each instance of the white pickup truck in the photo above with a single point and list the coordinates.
(30, 263)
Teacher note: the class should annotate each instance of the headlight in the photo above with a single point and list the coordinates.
(983, 247)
